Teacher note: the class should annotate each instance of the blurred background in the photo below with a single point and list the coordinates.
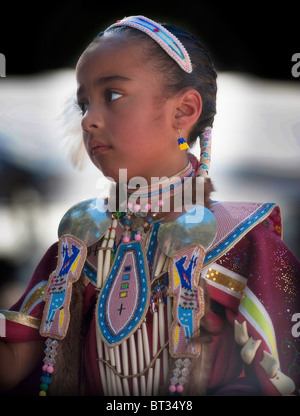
(256, 135)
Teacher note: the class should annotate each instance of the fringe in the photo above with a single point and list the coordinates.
(65, 381)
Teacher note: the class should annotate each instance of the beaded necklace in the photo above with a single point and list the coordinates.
(148, 197)
(145, 203)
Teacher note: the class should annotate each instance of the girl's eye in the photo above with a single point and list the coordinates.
(81, 106)
(112, 95)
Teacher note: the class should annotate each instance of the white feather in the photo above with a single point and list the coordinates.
(69, 127)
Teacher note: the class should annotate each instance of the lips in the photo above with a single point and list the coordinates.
(96, 147)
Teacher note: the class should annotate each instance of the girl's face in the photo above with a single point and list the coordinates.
(127, 123)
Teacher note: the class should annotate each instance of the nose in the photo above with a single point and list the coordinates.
(91, 120)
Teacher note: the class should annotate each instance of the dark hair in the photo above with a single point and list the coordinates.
(203, 77)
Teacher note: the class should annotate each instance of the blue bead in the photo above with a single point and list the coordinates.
(46, 379)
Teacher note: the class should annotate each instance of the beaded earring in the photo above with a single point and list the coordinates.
(182, 143)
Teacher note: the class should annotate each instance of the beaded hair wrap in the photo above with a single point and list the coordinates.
(205, 152)
(171, 45)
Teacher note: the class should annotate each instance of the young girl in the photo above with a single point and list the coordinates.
(147, 298)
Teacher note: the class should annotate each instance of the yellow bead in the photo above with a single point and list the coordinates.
(42, 393)
(184, 146)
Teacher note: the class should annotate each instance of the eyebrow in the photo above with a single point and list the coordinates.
(104, 80)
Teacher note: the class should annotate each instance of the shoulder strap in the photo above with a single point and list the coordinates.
(236, 219)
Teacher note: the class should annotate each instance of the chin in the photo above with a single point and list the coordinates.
(111, 174)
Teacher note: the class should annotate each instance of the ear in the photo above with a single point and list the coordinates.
(188, 110)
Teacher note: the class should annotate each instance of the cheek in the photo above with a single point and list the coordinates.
(84, 137)
(84, 141)
(132, 131)
(141, 126)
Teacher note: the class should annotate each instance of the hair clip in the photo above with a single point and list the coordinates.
(162, 36)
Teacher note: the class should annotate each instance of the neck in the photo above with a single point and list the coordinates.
(140, 205)
(151, 197)
(162, 194)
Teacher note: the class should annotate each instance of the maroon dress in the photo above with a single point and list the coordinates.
(252, 277)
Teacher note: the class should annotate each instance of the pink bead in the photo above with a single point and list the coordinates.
(129, 205)
(50, 369)
(137, 237)
(160, 202)
(45, 367)
(137, 207)
(172, 388)
(126, 239)
(148, 207)
(179, 388)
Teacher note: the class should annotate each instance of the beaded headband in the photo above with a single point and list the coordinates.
(171, 45)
